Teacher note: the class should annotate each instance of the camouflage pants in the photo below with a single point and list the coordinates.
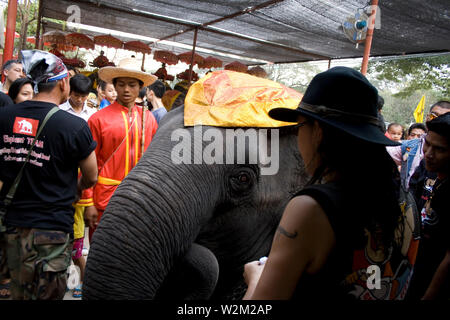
(4, 272)
(38, 261)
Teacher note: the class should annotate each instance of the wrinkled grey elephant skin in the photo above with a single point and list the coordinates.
(185, 231)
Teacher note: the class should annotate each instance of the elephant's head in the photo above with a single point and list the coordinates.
(185, 230)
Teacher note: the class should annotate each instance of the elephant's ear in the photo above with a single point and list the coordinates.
(193, 277)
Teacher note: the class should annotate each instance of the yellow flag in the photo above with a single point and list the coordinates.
(418, 113)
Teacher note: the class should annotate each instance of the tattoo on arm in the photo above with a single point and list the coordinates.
(286, 233)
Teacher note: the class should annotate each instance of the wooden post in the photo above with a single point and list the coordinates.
(329, 64)
(38, 27)
(192, 57)
(369, 36)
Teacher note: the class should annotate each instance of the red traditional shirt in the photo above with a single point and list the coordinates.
(118, 133)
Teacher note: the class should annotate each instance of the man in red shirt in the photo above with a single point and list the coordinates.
(119, 135)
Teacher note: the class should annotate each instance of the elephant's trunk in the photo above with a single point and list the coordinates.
(148, 224)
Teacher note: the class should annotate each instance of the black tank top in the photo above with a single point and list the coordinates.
(345, 274)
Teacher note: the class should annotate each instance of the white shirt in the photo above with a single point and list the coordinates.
(85, 114)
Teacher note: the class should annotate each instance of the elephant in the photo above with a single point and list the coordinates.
(185, 230)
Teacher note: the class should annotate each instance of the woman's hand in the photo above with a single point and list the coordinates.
(252, 272)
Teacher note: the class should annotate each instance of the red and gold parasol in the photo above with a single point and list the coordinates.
(108, 41)
(185, 75)
(257, 72)
(80, 40)
(74, 62)
(236, 66)
(137, 46)
(161, 73)
(166, 57)
(187, 57)
(210, 62)
(54, 37)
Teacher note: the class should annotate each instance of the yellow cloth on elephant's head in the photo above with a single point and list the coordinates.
(234, 99)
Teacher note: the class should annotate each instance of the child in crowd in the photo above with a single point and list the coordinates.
(108, 92)
(395, 131)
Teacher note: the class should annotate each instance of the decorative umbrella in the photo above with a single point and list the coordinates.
(56, 52)
(185, 75)
(108, 41)
(74, 62)
(80, 40)
(210, 62)
(161, 73)
(236, 66)
(100, 61)
(257, 72)
(187, 57)
(65, 47)
(57, 37)
(166, 57)
(137, 46)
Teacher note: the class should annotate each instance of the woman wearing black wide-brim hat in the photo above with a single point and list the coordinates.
(344, 235)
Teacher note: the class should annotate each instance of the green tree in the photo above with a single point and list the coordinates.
(410, 75)
(26, 23)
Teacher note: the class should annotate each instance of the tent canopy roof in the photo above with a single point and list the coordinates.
(278, 31)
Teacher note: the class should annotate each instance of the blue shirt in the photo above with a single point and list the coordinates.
(104, 103)
(159, 113)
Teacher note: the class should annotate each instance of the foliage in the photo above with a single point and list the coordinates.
(414, 74)
(26, 23)
(401, 109)
(294, 75)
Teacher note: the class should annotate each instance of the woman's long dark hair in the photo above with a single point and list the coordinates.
(369, 172)
(16, 86)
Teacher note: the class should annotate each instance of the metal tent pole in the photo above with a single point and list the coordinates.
(369, 36)
(193, 53)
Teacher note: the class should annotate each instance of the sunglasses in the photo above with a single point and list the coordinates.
(432, 116)
(301, 124)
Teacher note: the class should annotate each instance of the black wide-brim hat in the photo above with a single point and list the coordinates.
(344, 99)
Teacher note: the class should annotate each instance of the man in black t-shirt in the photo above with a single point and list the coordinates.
(5, 100)
(431, 279)
(39, 219)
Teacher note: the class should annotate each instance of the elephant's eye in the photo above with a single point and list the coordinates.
(243, 177)
(242, 181)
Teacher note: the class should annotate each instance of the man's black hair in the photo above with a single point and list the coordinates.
(101, 84)
(46, 86)
(8, 64)
(441, 126)
(417, 125)
(158, 88)
(443, 104)
(142, 92)
(81, 84)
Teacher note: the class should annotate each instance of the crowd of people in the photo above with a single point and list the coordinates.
(83, 149)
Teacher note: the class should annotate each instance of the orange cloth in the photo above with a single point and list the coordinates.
(117, 152)
(234, 99)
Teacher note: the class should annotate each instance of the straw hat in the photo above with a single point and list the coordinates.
(129, 68)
